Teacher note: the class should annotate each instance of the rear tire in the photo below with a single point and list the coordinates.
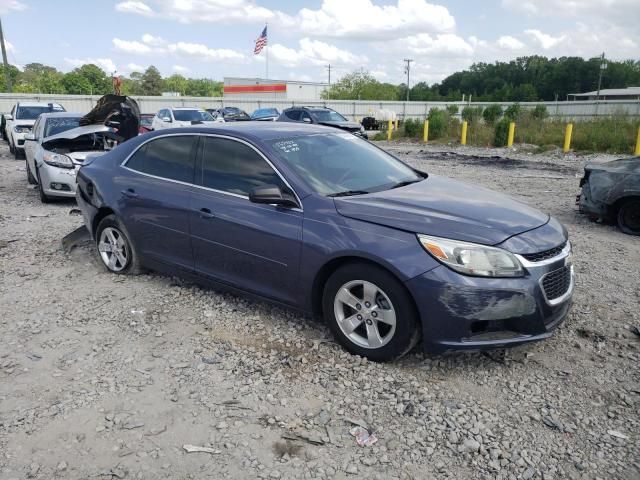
(115, 249)
(629, 216)
(370, 312)
(30, 178)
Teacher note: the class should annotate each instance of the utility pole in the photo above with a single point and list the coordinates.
(7, 74)
(329, 70)
(407, 70)
(603, 66)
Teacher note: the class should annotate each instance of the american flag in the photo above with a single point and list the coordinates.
(261, 42)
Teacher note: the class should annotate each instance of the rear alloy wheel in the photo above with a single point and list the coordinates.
(629, 217)
(374, 318)
(115, 248)
(30, 178)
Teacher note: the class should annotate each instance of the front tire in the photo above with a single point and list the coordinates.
(44, 198)
(117, 253)
(370, 312)
(629, 217)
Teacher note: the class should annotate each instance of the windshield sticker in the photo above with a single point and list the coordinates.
(287, 146)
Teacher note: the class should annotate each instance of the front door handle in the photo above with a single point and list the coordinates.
(206, 213)
(130, 192)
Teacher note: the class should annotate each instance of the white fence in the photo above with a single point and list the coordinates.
(574, 110)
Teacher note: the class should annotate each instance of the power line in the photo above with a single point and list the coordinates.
(407, 70)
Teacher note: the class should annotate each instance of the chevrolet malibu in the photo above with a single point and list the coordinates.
(327, 223)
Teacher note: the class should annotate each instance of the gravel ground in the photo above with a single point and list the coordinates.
(109, 377)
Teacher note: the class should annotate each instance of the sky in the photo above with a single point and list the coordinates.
(215, 38)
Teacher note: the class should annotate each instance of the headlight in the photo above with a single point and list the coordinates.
(58, 160)
(22, 129)
(471, 258)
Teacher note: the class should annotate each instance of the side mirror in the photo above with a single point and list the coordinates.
(306, 120)
(272, 195)
(29, 137)
(8, 116)
(166, 119)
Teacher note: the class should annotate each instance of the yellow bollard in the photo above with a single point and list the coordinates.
(389, 128)
(512, 133)
(463, 137)
(637, 150)
(567, 137)
(425, 132)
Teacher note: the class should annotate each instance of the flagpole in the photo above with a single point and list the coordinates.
(266, 48)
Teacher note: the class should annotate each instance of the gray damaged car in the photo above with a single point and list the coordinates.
(611, 193)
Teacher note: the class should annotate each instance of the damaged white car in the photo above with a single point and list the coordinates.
(60, 143)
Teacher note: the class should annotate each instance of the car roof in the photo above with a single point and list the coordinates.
(184, 108)
(61, 115)
(255, 131)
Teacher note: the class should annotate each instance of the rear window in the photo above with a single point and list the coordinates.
(54, 126)
(327, 116)
(166, 157)
(191, 116)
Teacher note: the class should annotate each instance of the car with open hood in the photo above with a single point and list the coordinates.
(611, 193)
(386, 254)
(322, 116)
(61, 142)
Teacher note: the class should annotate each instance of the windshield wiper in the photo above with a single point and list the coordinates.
(406, 182)
(348, 193)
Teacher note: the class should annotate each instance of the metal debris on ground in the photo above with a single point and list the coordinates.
(363, 437)
(195, 449)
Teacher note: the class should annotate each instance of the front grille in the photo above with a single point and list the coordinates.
(557, 283)
(540, 256)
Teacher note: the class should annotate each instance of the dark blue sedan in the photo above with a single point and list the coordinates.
(326, 222)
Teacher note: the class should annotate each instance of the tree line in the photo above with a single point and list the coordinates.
(90, 79)
(524, 79)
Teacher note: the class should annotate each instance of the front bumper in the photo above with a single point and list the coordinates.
(18, 140)
(63, 178)
(89, 212)
(460, 312)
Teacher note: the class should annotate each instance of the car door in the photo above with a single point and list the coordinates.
(293, 115)
(250, 246)
(30, 146)
(155, 198)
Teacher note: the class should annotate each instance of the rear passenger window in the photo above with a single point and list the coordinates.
(233, 167)
(293, 115)
(166, 157)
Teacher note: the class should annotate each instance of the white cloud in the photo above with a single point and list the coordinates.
(105, 64)
(134, 67)
(139, 8)
(202, 51)
(180, 69)
(314, 52)
(192, 11)
(132, 46)
(7, 6)
(544, 40)
(509, 43)
(445, 45)
(153, 41)
(363, 19)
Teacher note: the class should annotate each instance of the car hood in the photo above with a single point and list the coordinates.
(194, 123)
(444, 207)
(116, 111)
(24, 123)
(351, 126)
(623, 165)
(76, 132)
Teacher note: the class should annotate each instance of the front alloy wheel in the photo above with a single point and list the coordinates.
(113, 249)
(375, 318)
(365, 314)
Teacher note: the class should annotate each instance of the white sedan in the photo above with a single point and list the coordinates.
(172, 117)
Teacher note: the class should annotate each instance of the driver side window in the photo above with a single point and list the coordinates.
(293, 115)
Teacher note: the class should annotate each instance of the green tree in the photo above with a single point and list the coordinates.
(175, 83)
(14, 73)
(361, 85)
(97, 79)
(151, 82)
(76, 84)
(203, 87)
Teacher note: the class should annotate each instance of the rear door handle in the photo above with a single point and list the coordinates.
(206, 213)
(129, 192)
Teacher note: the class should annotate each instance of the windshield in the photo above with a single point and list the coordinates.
(192, 116)
(31, 113)
(266, 112)
(146, 121)
(53, 126)
(234, 113)
(327, 116)
(334, 163)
